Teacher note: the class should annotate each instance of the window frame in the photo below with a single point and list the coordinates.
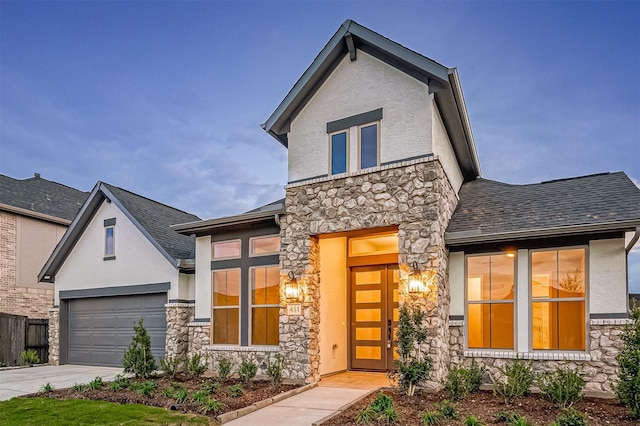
(213, 243)
(360, 127)
(347, 148)
(107, 255)
(252, 239)
(252, 305)
(238, 306)
(584, 299)
(513, 302)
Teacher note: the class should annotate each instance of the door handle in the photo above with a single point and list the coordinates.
(389, 334)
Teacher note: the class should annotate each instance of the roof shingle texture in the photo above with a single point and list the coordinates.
(157, 218)
(496, 208)
(41, 196)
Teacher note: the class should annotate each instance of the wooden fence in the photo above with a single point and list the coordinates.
(18, 333)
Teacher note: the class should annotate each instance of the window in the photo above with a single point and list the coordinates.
(368, 146)
(261, 246)
(109, 241)
(265, 305)
(226, 307)
(225, 250)
(558, 299)
(490, 296)
(338, 150)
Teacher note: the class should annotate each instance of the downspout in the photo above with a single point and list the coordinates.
(628, 248)
(276, 218)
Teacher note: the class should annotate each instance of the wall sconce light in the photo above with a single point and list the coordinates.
(418, 281)
(292, 289)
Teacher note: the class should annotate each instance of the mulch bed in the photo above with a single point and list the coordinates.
(484, 405)
(256, 391)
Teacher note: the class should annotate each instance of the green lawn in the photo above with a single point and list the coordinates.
(45, 411)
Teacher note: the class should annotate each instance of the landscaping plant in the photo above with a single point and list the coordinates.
(177, 392)
(224, 369)
(461, 381)
(571, 417)
(247, 371)
(170, 366)
(413, 367)
(381, 409)
(562, 386)
(212, 405)
(473, 421)
(211, 386)
(511, 418)
(46, 388)
(138, 358)
(517, 381)
(96, 384)
(146, 388)
(275, 369)
(119, 383)
(628, 385)
(30, 357)
(195, 366)
(236, 390)
(200, 397)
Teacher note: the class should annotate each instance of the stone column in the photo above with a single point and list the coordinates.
(54, 336)
(179, 315)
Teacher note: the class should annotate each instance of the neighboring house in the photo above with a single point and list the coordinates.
(34, 214)
(117, 263)
(384, 176)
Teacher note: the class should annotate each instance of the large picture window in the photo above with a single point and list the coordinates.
(490, 297)
(265, 300)
(226, 307)
(558, 299)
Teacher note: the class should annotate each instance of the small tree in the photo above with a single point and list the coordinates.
(138, 358)
(628, 385)
(413, 367)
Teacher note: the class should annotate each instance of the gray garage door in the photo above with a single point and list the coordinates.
(100, 328)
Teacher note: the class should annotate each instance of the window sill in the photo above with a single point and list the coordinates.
(536, 356)
(109, 258)
(232, 348)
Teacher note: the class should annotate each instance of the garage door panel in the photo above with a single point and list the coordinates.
(100, 328)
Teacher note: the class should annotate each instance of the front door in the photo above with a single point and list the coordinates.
(373, 315)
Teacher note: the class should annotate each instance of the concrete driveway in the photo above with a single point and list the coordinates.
(23, 381)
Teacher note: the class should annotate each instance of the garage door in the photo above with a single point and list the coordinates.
(100, 328)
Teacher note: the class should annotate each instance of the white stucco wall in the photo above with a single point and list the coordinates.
(443, 149)
(354, 88)
(203, 277)
(187, 287)
(333, 305)
(456, 283)
(607, 276)
(137, 260)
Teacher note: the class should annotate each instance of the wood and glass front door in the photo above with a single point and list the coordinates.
(373, 316)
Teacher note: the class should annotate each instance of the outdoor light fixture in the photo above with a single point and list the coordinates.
(419, 281)
(292, 289)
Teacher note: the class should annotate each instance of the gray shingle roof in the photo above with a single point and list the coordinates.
(488, 208)
(41, 196)
(156, 218)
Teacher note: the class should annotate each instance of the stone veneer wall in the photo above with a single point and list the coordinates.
(54, 336)
(598, 363)
(179, 315)
(416, 196)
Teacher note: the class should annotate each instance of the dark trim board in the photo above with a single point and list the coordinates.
(182, 301)
(456, 317)
(202, 320)
(613, 315)
(354, 120)
(115, 291)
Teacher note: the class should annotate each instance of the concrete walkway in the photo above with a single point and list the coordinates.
(330, 396)
(23, 381)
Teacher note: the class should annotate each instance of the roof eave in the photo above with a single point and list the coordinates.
(224, 223)
(34, 214)
(453, 239)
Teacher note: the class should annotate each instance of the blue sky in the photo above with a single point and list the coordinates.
(166, 98)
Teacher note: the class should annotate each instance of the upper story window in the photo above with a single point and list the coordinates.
(225, 249)
(110, 239)
(264, 246)
(368, 146)
(490, 301)
(338, 152)
(558, 299)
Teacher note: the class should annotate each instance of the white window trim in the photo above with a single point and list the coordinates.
(213, 243)
(513, 302)
(530, 300)
(377, 123)
(251, 305)
(106, 230)
(238, 306)
(347, 132)
(262, 237)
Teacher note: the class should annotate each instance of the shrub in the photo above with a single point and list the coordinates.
(96, 384)
(195, 366)
(247, 371)
(627, 386)
(519, 378)
(170, 366)
(381, 409)
(461, 381)
(236, 390)
(571, 417)
(224, 369)
(274, 370)
(412, 368)
(563, 386)
(30, 357)
(46, 388)
(473, 421)
(137, 357)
